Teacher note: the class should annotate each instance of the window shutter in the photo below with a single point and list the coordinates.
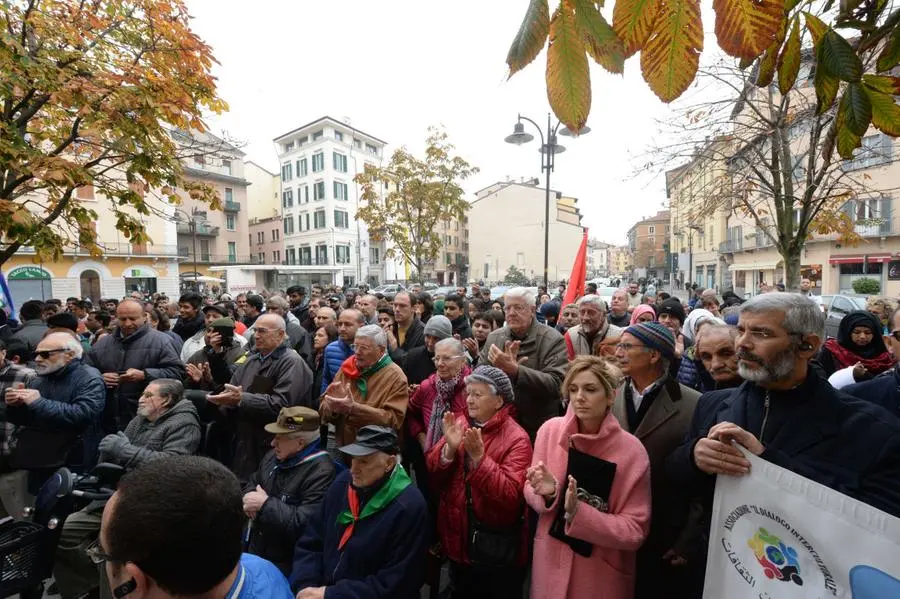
(886, 214)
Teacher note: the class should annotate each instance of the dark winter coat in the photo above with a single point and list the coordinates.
(384, 559)
(461, 327)
(30, 333)
(269, 383)
(415, 337)
(418, 365)
(497, 485)
(537, 384)
(175, 432)
(846, 444)
(296, 488)
(71, 400)
(883, 390)
(145, 349)
(188, 328)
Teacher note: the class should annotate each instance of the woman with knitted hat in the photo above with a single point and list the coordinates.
(483, 457)
(590, 485)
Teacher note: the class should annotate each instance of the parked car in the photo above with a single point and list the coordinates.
(606, 293)
(836, 307)
(388, 291)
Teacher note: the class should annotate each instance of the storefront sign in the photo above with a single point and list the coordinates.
(894, 270)
(28, 273)
(137, 272)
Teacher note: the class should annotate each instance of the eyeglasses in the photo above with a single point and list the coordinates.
(45, 354)
(516, 308)
(97, 556)
(627, 347)
(356, 348)
(442, 359)
(265, 331)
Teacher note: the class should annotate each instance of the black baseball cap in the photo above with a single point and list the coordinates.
(370, 439)
(218, 308)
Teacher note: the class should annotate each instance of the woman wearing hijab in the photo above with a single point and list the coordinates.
(859, 344)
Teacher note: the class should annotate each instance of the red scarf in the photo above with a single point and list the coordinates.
(845, 358)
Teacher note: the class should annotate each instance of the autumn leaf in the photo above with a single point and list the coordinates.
(789, 60)
(670, 58)
(745, 28)
(633, 22)
(882, 83)
(836, 55)
(853, 118)
(568, 74)
(601, 41)
(529, 41)
(816, 27)
(885, 112)
(890, 55)
(767, 63)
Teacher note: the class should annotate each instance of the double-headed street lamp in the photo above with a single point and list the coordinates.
(549, 149)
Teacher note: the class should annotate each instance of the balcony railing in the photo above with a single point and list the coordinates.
(203, 230)
(209, 258)
(122, 249)
(232, 206)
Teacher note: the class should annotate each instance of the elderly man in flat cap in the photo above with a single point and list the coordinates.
(287, 490)
(370, 537)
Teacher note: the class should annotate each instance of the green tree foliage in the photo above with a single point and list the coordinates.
(514, 276)
(90, 93)
(404, 201)
(866, 286)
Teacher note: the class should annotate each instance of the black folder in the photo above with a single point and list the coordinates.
(595, 476)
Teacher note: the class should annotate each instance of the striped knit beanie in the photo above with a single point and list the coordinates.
(655, 336)
(494, 377)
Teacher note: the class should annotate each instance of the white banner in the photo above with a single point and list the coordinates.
(778, 535)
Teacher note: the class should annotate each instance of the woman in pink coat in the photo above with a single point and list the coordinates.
(612, 532)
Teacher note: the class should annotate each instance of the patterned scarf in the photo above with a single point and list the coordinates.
(389, 491)
(442, 402)
(351, 370)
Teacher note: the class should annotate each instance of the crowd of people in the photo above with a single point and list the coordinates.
(351, 445)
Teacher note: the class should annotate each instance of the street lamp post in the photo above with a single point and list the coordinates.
(549, 149)
(192, 225)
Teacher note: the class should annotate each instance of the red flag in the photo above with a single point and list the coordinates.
(579, 272)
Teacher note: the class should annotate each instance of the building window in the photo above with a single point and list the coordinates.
(318, 162)
(340, 191)
(287, 171)
(303, 141)
(306, 218)
(321, 254)
(229, 222)
(371, 149)
(232, 251)
(300, 223)
(651, 229)
(375, 255)
(875, 150)
(339, 136)
(319, 222)
(339, 162)
(302, 167)
(306, 256)
(319, 191)
(287, 198)
(342, 254)
(226, 165)
(229, 194)
(288, 225)
(289, 146)
(276, 256)
(276, 234)
(318, 134)
(305, 195)
(357, 144)
(341, 219)
(262, 257)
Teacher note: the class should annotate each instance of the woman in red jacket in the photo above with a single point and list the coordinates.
(488, 452)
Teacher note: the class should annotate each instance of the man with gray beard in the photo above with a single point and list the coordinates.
(787, 413)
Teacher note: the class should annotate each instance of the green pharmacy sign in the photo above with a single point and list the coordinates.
(28, 273)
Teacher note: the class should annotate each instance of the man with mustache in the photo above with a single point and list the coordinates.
(787, 413)
(715, 348)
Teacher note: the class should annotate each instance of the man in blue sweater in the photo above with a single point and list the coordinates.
(337, 351)
(371, 535)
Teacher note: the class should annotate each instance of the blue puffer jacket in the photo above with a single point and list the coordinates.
(883, 390)
(72, 399)
(335, 354)
(384, 559)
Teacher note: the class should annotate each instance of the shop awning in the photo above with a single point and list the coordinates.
(858, 259)
(765, 265)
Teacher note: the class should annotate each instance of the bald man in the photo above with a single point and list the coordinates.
(130, 358)
(64, 402)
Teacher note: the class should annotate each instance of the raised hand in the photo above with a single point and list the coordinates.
(453, 432)
(474, 445)
(542, 481)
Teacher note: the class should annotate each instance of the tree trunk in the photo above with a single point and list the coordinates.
(792, 269)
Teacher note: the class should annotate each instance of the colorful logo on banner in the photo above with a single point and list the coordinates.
(778, 560)
(760, 542)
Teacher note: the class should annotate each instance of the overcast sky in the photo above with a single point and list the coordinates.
(394, 67)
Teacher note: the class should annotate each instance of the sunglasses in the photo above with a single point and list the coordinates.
(45, 354)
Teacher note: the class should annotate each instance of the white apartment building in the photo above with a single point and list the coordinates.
(323, 241)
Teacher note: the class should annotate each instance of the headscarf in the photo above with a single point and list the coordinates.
(443, 400)
(861, 318)
(693, 321)
(438, 308)
(642, 309)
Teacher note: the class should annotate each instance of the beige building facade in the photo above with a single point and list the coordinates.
(506, 228)
(648, 242)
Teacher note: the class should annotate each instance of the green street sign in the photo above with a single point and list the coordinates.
(28, 273)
